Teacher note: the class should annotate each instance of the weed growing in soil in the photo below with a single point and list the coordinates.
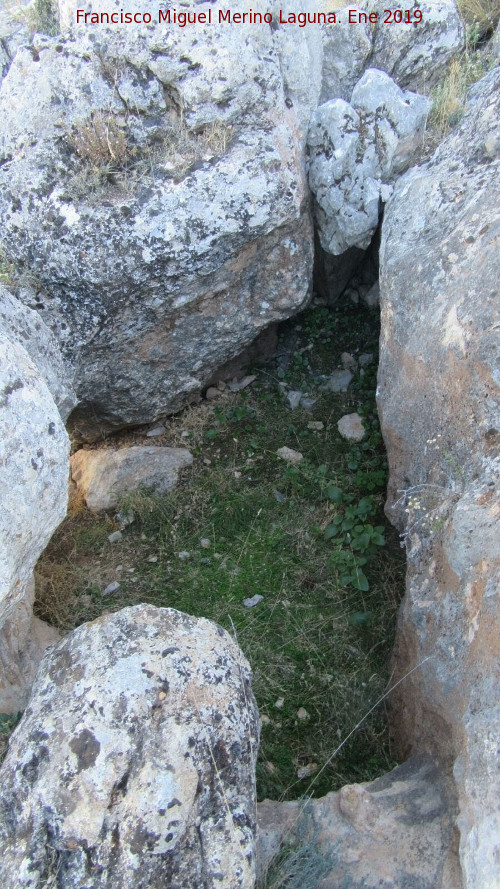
(312, 540)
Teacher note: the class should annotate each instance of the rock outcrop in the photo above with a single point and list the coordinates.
(23, 324)
(161, 202)
(438, 396)
(394, 832)
(416, 54)
(34, 467)
(103, 476)
(354, 152)
(135, 761)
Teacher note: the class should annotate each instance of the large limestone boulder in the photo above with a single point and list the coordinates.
(152, 181)
(134, 764)
(354, 152)
(438, 398)
(103, 476)
(396, 831)
(34, 466)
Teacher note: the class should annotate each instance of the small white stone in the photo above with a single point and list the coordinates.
(156, 430)
(351, 427)
(183, 555)
(251, 603)
(290, 455)
(280, 703)
(115, 536)
(316, 425)
(205, 543)
(293, 397)
(302, 714)
(338, 381)
(152, 558)
(111, 588)
(307, 770)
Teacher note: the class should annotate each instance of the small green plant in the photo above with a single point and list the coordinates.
(8, 723)
(6, 271)
(482, 15)
(42, 17)
(449, 97)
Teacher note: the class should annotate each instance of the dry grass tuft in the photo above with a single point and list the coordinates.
(99, 141)
(484, 14)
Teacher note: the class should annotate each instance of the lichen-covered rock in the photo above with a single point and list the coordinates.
(416, 54)
(13, 32)
(394, 832)
(439, 401)
(134, 763)
(103, 476)
(34, 465)
(355, 151)
(19, 322)
(152, 180)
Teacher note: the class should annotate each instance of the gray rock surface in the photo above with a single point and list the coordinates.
(395, 832)
(351, 427)
(134, 763)
(104, 476)
(355, 151)
(163, 250)
(19, 322)
(416, 55)
(14, 32)
(34, 464)
(439, 401)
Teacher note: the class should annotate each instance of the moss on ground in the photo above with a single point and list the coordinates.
(251, 524)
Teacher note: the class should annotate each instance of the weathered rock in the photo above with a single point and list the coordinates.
(338, 381)
(34, 464)
(164, 249)
(103, 476)
(25, 325)
(355, 150)
(438, 396)
(134, 763)
(416, 55)
(351, 427)
(395, 832)
(494, 45)
(289, 455)
(13, 32)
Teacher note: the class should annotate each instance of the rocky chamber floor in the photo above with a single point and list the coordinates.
(267, 548)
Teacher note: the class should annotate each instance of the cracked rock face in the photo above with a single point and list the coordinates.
(354, 152)
(34, 466)
(134, 763)
(416, 55)
(439, 403)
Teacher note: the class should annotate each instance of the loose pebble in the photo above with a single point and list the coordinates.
(111, 588)
(308, 770)
(250, 603)
(115, 536)
(290, 455)
(183, 555)
(157, 430)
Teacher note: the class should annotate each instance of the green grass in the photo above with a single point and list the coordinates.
(315, 642)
